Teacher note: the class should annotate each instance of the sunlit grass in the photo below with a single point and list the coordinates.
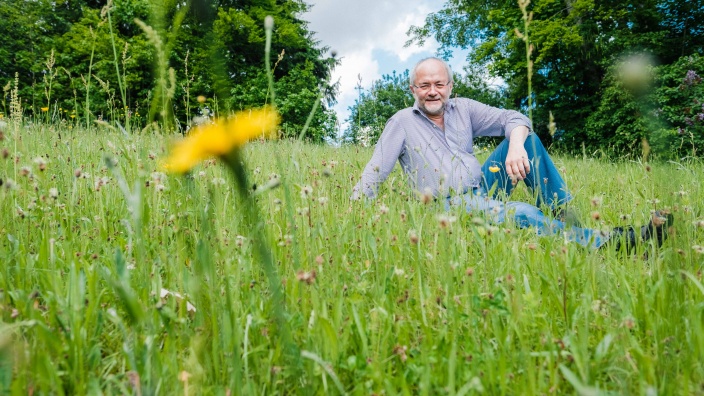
(386, 296)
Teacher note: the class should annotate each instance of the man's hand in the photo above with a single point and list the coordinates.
(517, 163)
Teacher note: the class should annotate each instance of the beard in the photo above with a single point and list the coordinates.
(436, 108)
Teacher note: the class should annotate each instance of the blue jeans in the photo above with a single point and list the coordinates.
(545, 183)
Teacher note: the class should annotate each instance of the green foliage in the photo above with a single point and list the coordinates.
(575, 44)
(679, 105)
(618, 124)
(296, 93)
(667, 112)
(93, 259)
(215, 47)
(373, 108)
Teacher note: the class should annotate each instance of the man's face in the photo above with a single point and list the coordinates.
(432, 87)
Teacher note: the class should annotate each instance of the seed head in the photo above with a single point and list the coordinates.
(426, 198)
(413, 237)
(629, 323)
(269, 22)
(306, 191)
(306, 277)
(158, 177)
(400, 351)
(444, 221)
(596, 201)
(41, 163)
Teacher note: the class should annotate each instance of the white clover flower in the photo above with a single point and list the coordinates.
(158, 177)
(445, 221)
(40, 162)
(306, 191)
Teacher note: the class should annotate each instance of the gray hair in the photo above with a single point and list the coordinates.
(447, 68)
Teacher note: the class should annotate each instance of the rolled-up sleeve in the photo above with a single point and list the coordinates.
(492, 121)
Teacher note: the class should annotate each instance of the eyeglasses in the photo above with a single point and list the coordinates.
(426, 87)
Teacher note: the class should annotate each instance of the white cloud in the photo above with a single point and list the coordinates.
(359, 31)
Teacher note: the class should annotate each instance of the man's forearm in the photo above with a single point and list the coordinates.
(518, 136)
(517, 163)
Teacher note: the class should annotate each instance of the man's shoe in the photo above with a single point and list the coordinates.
(623, 236)
(657, 227)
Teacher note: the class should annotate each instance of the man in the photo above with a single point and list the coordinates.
(434, 143)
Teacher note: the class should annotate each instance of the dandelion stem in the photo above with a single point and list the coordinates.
(259, 238)
(269, 27)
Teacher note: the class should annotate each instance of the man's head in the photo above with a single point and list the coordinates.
(431, 85)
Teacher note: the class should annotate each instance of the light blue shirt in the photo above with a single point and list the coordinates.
(435, 161)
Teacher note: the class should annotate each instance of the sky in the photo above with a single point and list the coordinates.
(369, 37)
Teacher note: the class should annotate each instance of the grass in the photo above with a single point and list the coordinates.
(380, 297)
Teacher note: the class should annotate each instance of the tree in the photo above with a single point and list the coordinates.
(106, 66)
(371, 110)
(574, 44)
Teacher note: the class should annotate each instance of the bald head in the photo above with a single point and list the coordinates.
(423, 62)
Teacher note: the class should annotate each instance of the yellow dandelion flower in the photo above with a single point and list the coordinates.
(221, 137)
(45, 109)
(494, 169)
(72, 116)
(201, 99)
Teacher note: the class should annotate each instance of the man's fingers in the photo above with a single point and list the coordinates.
(516, 171)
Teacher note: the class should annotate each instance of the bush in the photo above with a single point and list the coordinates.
(680, 108)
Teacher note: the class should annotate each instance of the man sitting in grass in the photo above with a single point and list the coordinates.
(434, 140)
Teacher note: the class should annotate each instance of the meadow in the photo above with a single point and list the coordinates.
(119, 278)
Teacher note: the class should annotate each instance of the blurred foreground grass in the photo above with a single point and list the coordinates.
(160, 293)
